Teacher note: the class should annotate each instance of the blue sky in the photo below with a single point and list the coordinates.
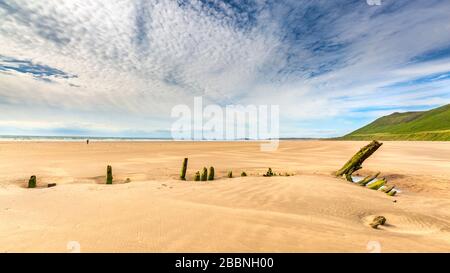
(118, 67)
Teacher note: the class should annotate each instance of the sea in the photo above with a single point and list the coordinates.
(96, 138)
(78, 138)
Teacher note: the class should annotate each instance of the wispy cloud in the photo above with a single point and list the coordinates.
(38, 71)
(121, 65)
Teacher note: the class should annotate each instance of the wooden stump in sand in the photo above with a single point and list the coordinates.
(183, 169)
(32, 182)
(109, 177)
(211, 173)
(204, 174)
(269, 173)
(197, 176)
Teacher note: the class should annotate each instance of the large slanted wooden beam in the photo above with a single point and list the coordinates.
(356, 161)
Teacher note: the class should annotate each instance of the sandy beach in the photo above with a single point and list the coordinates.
(310, 211)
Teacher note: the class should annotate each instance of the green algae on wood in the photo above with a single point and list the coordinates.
(32, 182)
(211, 173)
(392, 193)
(377, 184)
(367, 179)
(204, 174)
(387, 189)
(183, 169)
(197, 176)
(109, 177)
(348, 177)
(355, 163)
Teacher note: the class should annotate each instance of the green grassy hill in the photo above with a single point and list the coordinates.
(426, 125)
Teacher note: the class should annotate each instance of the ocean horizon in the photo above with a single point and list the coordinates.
(97, 138)
(76, 138)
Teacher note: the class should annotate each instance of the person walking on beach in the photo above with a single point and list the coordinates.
(87, 141)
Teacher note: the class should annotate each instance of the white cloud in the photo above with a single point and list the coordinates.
(134, 60)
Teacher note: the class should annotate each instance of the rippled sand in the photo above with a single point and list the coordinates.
(308, 212)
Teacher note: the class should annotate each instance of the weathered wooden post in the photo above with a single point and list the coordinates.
(211, 173)
(183, 169)
(32, 182)
(204, 174)
(269, 173)
(197, 176)
(109, 177)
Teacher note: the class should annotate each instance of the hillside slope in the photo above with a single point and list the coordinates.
(426, 125)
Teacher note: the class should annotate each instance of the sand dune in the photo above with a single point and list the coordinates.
(308, 212)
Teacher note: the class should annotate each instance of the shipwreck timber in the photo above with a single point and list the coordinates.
(355, 163)
(371, 181)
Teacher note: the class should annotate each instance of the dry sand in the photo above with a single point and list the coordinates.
(308, 212)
